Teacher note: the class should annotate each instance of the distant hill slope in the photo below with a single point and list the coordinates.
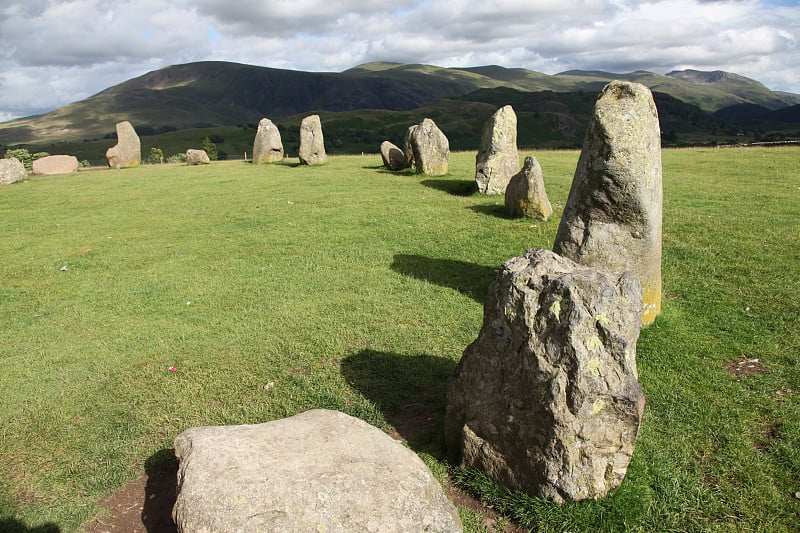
(207, 94)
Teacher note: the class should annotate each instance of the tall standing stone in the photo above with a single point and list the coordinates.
(128, 150)
(497, 160)
(612, 218)
(431, 149)
(267, 146)
(392, 156)
(312, 144)
(546, 400)
(525, 194)
(11, 170)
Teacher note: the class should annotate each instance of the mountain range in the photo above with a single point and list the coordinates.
(214, 94)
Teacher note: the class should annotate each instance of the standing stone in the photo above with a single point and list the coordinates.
(197, 157)
(11, 170)
(267, 146)
(431, 149)
(312, 145)
(128, 150)
(525, 194)
(317, 471)
(546, 400)
(497, 160)
(393, 157)
(612, 218)
(408, 149)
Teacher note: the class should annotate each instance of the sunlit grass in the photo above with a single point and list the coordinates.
(352, 288)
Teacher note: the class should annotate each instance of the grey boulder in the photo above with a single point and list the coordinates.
(546, 400)
(196, 157)
(11, 170)
(525, 194)
(392, 156)
(317, 471)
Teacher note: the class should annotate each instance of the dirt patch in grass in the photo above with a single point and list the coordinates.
(745, 366)
(141, 506)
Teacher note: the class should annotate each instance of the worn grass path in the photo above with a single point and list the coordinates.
(351, 288)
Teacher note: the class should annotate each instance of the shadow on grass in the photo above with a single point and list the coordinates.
(498, 211)
(467, 278)
(10, 525)
(160, 492)
(408, 389)
(451, 186)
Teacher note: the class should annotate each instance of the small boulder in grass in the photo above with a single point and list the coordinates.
(55, 164)
(196, 157)
(392, 156)
(11, 170)
(525, 194)
(317, 471)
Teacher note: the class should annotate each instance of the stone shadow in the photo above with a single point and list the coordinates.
(408, 389)
(467, 278)
(451, 186)
(498, 211)
(160, 491)
(10, 525)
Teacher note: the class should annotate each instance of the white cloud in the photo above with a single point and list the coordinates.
(57, 51)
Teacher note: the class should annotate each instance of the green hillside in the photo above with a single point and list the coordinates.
(214, 94)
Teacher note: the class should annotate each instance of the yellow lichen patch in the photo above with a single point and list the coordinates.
(651, 305)
(593, 343)
(594, 365)
(602, 318)
(556, 308)
(597, 406)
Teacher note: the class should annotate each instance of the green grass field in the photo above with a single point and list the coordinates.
(353, 288)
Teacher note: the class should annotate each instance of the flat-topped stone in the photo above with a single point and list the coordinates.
(317, 471)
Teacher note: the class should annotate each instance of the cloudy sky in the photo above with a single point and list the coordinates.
(53, 52)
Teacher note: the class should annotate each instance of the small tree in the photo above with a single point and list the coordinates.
(210, 148)
(156, 156)
(23, 155)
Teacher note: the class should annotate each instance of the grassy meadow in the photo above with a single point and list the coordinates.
(275, 289)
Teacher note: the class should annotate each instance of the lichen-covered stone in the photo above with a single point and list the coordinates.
(312, 144)
(497, 159)
(11, 170)
(431, 149)
(317, 471)
(392, 156)
(197, 157)
(612, 218)
(267, 146)
(525, 194)
(128, 150)
(546, 400)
